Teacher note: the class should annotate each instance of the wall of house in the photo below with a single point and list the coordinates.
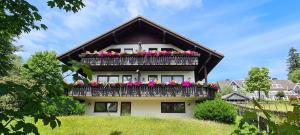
(144, 47)
(144, 107)
(188, 75)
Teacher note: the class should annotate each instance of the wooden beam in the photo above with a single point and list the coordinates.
(115, 38)
(205, 75)
(164, 37)
(204, 64)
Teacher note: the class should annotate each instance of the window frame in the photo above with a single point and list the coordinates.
(112, 49)
(106, 107)
(171, 77)
(173, 107)
(124, 76)
(128, 49)
(152, 49)
(152, 75)
(108, 77)
(167, 49)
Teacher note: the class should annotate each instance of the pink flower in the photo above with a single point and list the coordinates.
(94, 83)
(153, 53)
(142, 53)
(138, 83)
(100, 54)
(151, 83)
(186, 83)
(129, 84)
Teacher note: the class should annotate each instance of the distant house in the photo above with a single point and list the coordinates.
(288, 87)
(235, 97)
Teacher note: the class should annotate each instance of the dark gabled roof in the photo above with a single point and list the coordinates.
(234, 97)
(208, 57)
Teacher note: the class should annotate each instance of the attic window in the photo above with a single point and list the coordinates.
(152, 49)
(167, 49)
(118, 50)
(128, 50)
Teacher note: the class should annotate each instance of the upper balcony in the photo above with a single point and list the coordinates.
(138, 89)
(151, 60)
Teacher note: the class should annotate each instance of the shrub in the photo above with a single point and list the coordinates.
(62, 106)
(217, 110)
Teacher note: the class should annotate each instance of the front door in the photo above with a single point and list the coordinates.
(125, 108)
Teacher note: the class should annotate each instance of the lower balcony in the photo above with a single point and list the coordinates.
(142, 91)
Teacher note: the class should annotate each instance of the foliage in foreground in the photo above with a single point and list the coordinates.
(290, 126)
(30, 97)
(129, 125)
(216, 110)
(62, 106)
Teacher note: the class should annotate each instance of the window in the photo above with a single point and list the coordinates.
(178, 78)
(103, 78)
(167, 78)
(167, 49)
(152, 77)
(152, 49)
(106, 107)
(172, 107)
(126, 78)
(113, 79)
(128, 50)
(108, 78)
(118, 50)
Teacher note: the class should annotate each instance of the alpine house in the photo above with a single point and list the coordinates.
(143, 69)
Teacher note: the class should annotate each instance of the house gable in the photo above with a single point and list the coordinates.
(142, 31)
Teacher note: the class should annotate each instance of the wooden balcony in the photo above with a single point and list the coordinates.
(141, 91)
(141, 60)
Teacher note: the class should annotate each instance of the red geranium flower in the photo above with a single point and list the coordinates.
(94, 83)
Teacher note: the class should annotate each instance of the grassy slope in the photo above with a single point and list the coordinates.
(93, 125)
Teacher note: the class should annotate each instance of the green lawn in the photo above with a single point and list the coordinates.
(125, 125)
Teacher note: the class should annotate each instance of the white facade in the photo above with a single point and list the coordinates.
(142, 106)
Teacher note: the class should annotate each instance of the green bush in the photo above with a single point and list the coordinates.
(217, 110)
(62, 106)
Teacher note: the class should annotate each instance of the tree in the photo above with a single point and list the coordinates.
(7, 56)
(280, 94)
(45, 69)
(258, 80)
(226, 90)
(293, 60)
(295, 76)
(18, 16)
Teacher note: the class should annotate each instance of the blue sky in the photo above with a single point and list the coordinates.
(248, 32)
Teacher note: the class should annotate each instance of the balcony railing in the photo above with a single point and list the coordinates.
(139, 91)
(140, 60)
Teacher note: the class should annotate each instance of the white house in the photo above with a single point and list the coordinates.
(286, 86)
(143, 69)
